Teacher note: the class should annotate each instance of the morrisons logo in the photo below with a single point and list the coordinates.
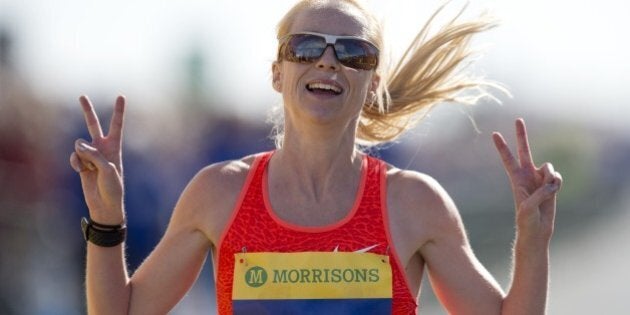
(325, 275)
(255, 277)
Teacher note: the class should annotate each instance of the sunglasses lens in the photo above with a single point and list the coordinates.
(351, 52)
(303, 48)
(356, 53)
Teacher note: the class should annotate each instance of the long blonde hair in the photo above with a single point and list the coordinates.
(430, 72)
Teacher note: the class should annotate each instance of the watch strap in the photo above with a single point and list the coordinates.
(101, 234)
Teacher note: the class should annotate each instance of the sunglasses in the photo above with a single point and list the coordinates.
(307, 47)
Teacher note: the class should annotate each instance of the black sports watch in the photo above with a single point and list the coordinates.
(102, 234)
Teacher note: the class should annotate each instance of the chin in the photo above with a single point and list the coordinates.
(327, 114)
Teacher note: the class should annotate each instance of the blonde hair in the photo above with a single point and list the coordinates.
(430, 72)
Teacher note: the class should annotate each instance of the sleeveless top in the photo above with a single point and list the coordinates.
(254, 229)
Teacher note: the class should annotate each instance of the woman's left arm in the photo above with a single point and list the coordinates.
(535, 190)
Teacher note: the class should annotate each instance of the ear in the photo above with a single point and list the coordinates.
(371, 95)
(376, 80)
(276, 72)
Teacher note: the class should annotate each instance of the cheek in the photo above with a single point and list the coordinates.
(290, 80)
(362, 87)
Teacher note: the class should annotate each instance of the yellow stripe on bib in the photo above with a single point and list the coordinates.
(311, 275)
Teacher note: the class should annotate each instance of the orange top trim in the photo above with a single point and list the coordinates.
(241, 197)
(316, 229)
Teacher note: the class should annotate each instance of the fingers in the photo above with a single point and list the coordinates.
(116, 124)
(86, 157)
(550, 176)
(558, 180)
(552, 181)
(93, 125)
(543, 193)
(80, 166)
(547, 172)
(523, 149)
(508, 159)
(524, 152)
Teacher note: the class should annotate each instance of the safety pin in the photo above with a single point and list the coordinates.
(243, 260)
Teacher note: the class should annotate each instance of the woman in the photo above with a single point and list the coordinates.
(316, 226)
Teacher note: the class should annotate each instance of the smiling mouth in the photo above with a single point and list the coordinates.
(322, 88)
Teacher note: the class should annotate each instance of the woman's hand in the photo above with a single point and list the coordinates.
(534, 188)
(99, 164)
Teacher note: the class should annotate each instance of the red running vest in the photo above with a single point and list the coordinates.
(254, 227)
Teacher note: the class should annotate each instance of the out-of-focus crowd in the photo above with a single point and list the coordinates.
(42, 250)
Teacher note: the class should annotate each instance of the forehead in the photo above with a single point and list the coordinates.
(334, 20)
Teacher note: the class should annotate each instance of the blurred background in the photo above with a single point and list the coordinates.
(196, 75)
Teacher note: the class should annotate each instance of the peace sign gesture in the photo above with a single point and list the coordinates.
(99, 164)
(534, 188)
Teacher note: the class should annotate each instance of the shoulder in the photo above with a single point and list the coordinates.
(210, 197)
(414, 189)
(417, 203)
(224, 176)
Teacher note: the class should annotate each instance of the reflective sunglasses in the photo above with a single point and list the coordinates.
(307, 47)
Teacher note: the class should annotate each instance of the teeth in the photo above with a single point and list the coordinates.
(323, 86)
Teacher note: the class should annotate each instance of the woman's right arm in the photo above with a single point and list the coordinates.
(171, 269)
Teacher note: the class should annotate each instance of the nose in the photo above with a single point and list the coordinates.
(328, 60)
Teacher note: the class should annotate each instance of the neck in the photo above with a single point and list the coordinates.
(316, 161)
(320, 145)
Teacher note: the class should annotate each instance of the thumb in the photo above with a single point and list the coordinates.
(78, 165)
(87, 158)
(543, 193)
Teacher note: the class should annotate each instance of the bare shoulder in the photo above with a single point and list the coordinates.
(416, 191)
(210, 197)
(419, 206)
(223, 177)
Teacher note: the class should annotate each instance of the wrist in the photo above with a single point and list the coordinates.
(108, 217)
(104, 235)
(531, 246)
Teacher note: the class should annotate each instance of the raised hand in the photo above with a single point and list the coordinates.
(534, 188)
(99, 164)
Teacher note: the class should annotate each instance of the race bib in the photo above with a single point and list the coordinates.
(312, 283)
